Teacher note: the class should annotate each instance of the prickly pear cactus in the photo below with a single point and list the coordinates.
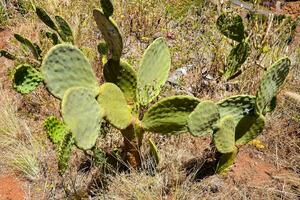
(110, 33)
(65, 30)
(237, 106)
(53, 37)
(65, 67)
(43, 15)
(107, 7)
(114, 105)
(224, 137)
(26, 79)
(270, 84)
(33, 47)
(124, 76)
(7, 55)
(153, 72)
(83, 116)
(154, 151)
(249, 128)
(226, 161)
(236, 58)
(231, 25)
(169, 116)
(203, 119)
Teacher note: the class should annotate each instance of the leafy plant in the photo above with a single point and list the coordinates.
(237, 120)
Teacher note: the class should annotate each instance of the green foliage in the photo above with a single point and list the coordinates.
(65, 67)
(65, 30)
(169, 115)
(62, 139)
(124, 76)
(43, 15)
(34, 48)
(271, 81)
(226, 161)
(107, 7)
(83, 116)
(231, 25)
(224, 137)
(26, 78)
(203, 119)
(110, 33)
(154, 151)
(153, 72)
(54, 38)
(114, 104)
(236, 58)
(7, 55)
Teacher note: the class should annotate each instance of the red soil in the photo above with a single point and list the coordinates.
(11, 188)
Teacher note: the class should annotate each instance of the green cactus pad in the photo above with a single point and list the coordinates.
(237, 106)
(64, 67)
(83, 116)
(102, 48)
(64, 153)
(170, 115)
(224, 137)
(111, 34)
(124, 76)
(43, 15)
(53, 37)
(153, 72)
(35, 51)
(107, 7)
(231, 25)
(249, 128)
(226, 161)
(65, 30)
(236, 58)
(154, 151)
(271, 82)
(26, 79)
(203, 119)
(7, 55)
(114, 104)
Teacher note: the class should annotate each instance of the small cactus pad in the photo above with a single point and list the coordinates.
(226, 161)
(153, 72)
(224, 137)
(231, 25)
(82, 114)
(237, 106)
(35, 51)
(154, 151)
(170, 115)
(64, 67)
(56, 130)
(113, 102)
(107, 7)
(43, 15)
(64, 153)
(26, 79)
(65, 30)
(7, 55)
(102, 48)
(236, 58)
(271, 82)
(110, 33)
(202, 120)
(53, 37)
(124, 76)
(249, 128)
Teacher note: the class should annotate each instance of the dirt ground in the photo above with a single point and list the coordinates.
(11, 188)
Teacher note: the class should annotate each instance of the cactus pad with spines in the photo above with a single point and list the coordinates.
(26, 79)
(83, 116)
(170, 115)
(35, 51)
(114, 105)
(43, 15)
(224, 137)
(249, 128)
(237, 106)
(107, 7)
(64, 153)
(64, 67)
(271, 82)
(236, 58)
(153, 71)
(53, 37)
(124, 76)
(65, 30)
(202, 120)
(7, 55)
(231, 25)
(154, 151)
(226, 161)
(110, 33)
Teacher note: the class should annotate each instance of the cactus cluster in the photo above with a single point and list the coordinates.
(231, 25)
(238, 120)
